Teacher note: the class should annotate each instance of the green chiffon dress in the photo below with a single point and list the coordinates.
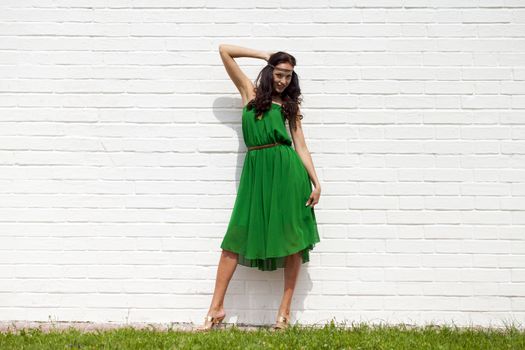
(270, 220)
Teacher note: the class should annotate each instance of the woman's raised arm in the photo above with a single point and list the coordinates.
(241, 81)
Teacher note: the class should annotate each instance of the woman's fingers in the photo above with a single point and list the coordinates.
(313, 199)
(308, 201)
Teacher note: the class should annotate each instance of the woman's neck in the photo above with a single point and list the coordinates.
(277, 97)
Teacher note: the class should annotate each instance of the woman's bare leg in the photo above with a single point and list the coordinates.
(291, 271)
(225, 270)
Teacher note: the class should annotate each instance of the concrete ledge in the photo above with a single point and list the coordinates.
(16, 326)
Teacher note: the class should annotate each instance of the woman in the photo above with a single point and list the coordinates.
(273, 222)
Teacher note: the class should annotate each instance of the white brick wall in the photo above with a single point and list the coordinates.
(121, 150)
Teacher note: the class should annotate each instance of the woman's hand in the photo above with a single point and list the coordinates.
(267, 56)
(314, 197)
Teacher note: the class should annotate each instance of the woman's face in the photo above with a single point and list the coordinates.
(282, 75)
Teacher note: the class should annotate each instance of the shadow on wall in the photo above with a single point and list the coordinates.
(256, 295)
(232, 117)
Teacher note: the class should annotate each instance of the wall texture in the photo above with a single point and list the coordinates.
(121, 150)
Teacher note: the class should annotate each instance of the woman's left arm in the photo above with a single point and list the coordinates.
(304, 154)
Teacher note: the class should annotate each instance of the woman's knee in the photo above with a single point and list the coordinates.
(229, 254)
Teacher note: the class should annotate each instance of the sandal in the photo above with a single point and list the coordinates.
(283, 322)
(210, 323)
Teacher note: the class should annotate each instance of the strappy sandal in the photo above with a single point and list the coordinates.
(210, 323)
(282, 323)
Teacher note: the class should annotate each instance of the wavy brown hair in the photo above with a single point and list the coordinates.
(291, 96)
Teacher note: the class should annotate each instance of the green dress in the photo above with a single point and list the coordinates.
(270, 220)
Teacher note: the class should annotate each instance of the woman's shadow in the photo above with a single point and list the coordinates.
(253, 296)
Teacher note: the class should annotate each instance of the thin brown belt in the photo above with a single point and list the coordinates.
(265, 146)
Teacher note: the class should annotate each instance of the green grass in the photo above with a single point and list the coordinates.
(330, 336)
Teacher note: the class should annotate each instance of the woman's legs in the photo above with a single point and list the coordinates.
(225, 270)
(291, 271)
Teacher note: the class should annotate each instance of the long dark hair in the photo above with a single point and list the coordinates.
(291, 96)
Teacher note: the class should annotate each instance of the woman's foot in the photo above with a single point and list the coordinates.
(212, 320)
(283, 321)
